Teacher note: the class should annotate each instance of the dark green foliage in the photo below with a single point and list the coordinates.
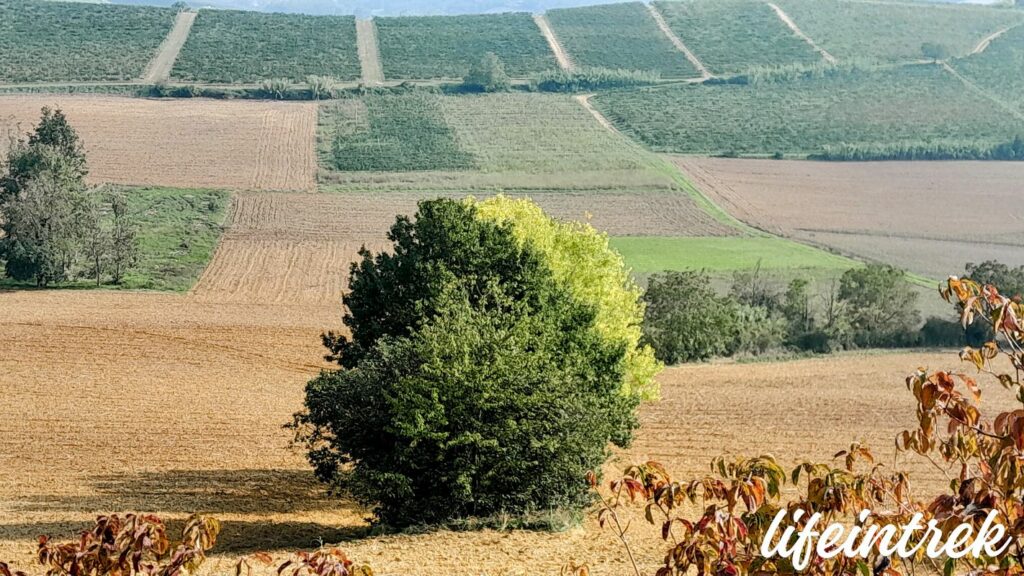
(1012, 150)
(53, 146)
(618, 36)
(934, 51)
(685, 319)
(589, 79)
(906, 106)
(941, 332)
(229, 46)
(423, 47)
(401, 133)
(881, 306)
(475, 384)
(487, 75)
(56, 41)
(731, 36)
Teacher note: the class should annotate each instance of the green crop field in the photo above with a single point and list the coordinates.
(230, 46)
(54, 41)
(724, 254)
(999, 68)
(902, 106)
(618, 36)
(731, 36)
(446, 46)
(892, 31)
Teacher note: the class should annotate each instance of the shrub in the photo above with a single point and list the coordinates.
(881, 305)
(758, 331)
(580, 257)
(685, 320)
(587, 79)
(477, 383)
(487, 75)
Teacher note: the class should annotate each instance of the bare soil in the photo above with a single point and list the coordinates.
(159, 69)
(929, 217)
(561, 56)
(184, 143)
(369, 52)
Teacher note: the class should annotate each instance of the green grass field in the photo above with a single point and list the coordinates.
(912, 105)
(446, 46)
(894, 31)
(999, 68)
(230, 46)
(647, 255)
(618, 36)
(55, 41)
(731, 36)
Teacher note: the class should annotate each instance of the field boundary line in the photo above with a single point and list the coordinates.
(987, 40)
(678, 43)
(561, 56)
(159, 68)
(982, 92)
(369, 52)
(800, 33)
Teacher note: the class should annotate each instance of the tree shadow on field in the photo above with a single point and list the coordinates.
(218, 493)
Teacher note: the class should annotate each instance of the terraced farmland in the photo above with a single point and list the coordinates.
(911, 105)
(188, 144)
(238, 47)
(618, 36)
(731, 36)
(57, 41)
(998, 68)
(922, 227)
(891, 31)
(446, 46)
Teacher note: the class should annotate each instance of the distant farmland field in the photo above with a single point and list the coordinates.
(618, 36)
(891, 31)
(446, 46)
(194, 143)
(57, 41)
(230, 46)
(731, 36)
(910, 105)
(998, 68)
(927, 217)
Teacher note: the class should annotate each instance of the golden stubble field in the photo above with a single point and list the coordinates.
(928, 217)
(117, 402)
(198, 143)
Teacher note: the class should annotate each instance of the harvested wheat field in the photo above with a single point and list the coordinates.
(928, 217)
(117, 402)
(186, 143)
(282, 248)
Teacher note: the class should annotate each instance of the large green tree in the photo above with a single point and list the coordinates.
(881, 305)
(475, 381)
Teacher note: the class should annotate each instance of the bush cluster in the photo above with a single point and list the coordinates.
(475, 379)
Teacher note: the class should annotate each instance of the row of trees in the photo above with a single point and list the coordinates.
(687, 320)
(55, 228)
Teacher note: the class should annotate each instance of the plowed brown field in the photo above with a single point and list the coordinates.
(928, 217)
(116, 402)
(185, 143)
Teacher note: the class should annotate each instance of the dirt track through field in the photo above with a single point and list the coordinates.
(185, 143)
(159, 69)
(369, 52)
(561, 56)
(986, 41)
(800, 33)
(677, 42)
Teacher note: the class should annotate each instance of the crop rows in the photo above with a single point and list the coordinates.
(618, 36)
(231, 46)
(894, 32)
(731, 36)
(999, 68)
(55, 41)
(911, 105)
(446, 46)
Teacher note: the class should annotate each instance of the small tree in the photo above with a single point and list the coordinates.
(124, 243)
(54, 146)
(685, 320)
(881, 304)
(934, 51)
(95, 241)
(487, 75)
